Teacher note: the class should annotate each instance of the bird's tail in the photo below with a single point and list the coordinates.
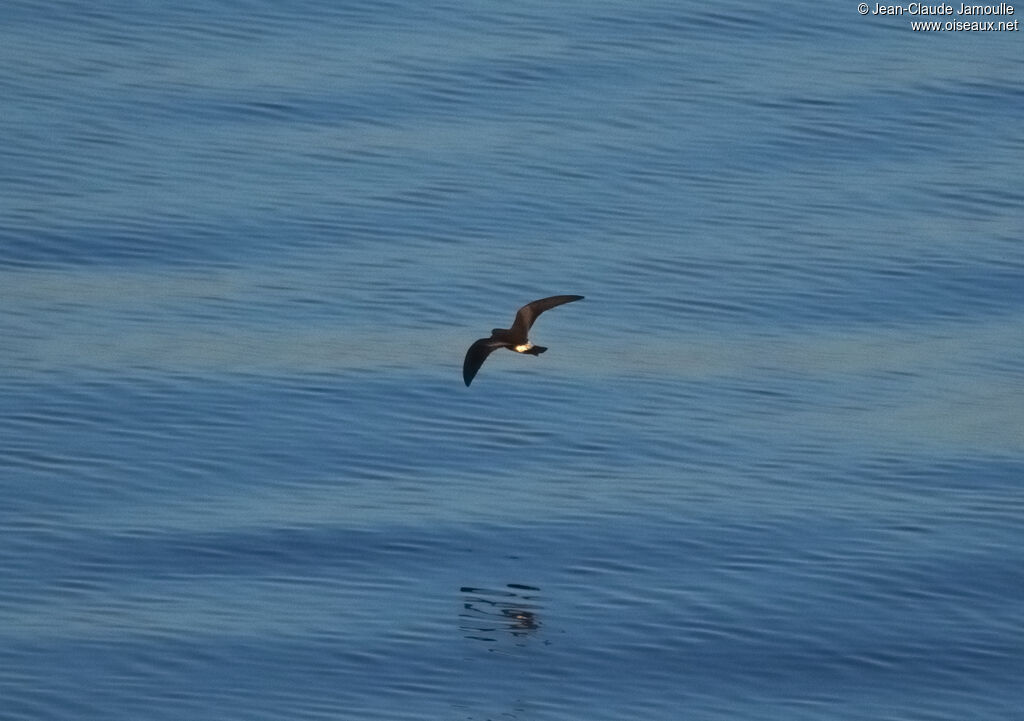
(536, 350)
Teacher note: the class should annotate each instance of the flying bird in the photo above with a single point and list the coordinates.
(513, 338)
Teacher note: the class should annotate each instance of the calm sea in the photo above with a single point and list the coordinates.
(772, 467)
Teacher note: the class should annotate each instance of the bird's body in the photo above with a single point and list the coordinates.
(514, 338)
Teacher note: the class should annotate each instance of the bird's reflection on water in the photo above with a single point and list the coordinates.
(490, 614)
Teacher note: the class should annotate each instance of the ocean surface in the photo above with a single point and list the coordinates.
(772, 467)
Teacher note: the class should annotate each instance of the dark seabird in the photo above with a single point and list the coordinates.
(513, 338)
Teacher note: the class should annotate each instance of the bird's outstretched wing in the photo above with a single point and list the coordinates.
(475, 357)
(529, 312)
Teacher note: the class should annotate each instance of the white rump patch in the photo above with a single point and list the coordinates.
(524, 347)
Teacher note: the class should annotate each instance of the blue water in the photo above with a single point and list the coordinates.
(772, 467)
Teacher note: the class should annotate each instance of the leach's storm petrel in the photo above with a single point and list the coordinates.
(513, 338)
